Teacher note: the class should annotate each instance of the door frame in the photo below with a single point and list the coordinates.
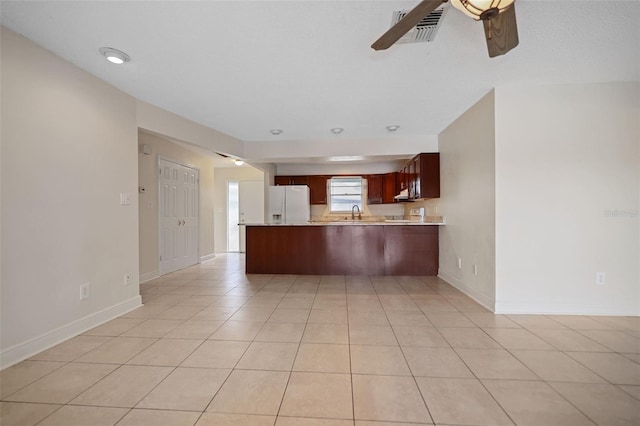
(226, 202)
(159, 212)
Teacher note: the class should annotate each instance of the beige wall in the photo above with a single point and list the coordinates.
(69, 144)
(162, 122)
(222, 176)
(148, 178)
(467, 187)
(565, 156)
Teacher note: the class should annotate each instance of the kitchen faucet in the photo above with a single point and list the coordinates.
(353, 215)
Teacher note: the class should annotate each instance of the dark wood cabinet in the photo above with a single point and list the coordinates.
(317, 186)
(291, 180)
(282, 180)
(375, 188)
(411, 250)
(411, 179)
(318, 189)
(421, 176)
(390, 187)
(402, 178)
(427, 179)
(342, 250)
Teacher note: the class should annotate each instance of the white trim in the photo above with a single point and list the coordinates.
(485, 301)
(207, 257)
(148, 276)
(547, 308)
(22, 351)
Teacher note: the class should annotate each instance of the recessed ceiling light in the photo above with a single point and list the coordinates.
(337, 130)
(238, 162)
(114, 55)
(276, 132)
(393, 128)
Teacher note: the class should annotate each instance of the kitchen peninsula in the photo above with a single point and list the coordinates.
(343, 248)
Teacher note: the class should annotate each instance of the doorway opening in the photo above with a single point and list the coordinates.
(245, 204)
(233, 216)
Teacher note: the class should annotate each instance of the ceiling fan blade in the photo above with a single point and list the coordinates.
(409, 21)
(501, 32)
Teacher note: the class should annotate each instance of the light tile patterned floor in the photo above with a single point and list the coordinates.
(212, 346)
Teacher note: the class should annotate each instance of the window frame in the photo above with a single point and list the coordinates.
(330, 195)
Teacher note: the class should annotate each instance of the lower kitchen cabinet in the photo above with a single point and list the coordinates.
(342, 249)
(411, 250)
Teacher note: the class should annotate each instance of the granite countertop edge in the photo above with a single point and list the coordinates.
(347, 223)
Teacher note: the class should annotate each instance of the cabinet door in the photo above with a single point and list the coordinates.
(430, 175)
(281, 180)
(411, 179)
(390, 187)
(417, 184)
(299, 180)
(374, 189)
(318, 189)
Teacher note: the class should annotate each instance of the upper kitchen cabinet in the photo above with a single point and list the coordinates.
(318, 189)
(426, 176)
(291, 180)
(375, 189)
(402, 178)
(317, 186)
(390, 187)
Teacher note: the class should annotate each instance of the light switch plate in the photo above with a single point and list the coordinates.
(125, 199)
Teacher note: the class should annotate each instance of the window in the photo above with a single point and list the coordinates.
(344, 193)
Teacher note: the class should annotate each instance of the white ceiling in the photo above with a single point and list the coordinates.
(245, 67)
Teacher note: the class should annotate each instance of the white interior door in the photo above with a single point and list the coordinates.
(179, 216)
(251, 201)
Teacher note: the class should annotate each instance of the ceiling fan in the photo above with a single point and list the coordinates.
(498, 17)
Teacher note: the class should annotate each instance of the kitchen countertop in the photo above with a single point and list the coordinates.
(349, 222)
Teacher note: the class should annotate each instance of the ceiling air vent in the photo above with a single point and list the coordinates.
(425, 30)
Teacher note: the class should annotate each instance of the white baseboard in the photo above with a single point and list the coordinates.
(472, 293)
(207, 257)
(148, 276)
(22, 351)
(547, 308)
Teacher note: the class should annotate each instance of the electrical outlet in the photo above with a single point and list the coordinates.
(459, 263)
(475, 269)
(84, 291)
(601, 278)
(127, 279)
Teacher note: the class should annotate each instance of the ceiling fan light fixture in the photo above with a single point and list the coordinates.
(114, 56)
(482, 9)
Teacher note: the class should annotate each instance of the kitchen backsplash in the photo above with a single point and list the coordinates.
(390, 211)
(431, 207)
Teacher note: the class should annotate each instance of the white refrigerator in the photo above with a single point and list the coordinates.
(289, 204)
